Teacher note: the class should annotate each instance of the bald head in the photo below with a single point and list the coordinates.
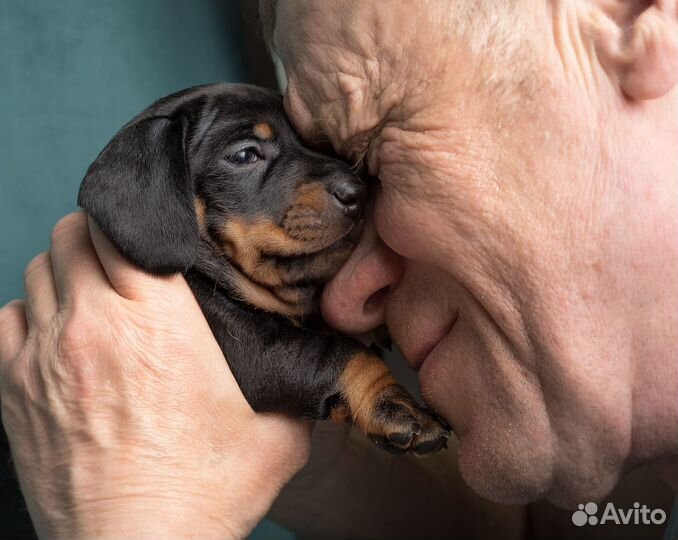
(524, 224)
(361, 66)
(483, 21)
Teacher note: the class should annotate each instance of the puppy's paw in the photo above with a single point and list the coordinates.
(373, 400)
(398, 424)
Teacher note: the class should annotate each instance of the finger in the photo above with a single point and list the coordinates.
(41, 296)
(13, 331)
(129, 281)
(76, 268)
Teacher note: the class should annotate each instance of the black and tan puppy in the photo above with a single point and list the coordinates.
(214, 183)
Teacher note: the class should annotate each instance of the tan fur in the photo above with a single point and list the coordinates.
(289, 295)
(247, 242)
(364, 380)
(341, 414)
(200, 209)
(312, 196)
(262, 298)
(263, 130)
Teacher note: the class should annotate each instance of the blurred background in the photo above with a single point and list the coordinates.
(72, 73)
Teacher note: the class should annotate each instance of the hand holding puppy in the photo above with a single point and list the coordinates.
(125, 421)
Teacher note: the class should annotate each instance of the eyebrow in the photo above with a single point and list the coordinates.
(358, 147)
(263, 130)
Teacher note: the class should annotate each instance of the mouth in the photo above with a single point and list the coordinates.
(351, 234)
(417, 356)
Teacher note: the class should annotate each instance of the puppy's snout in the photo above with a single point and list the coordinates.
(350, 194)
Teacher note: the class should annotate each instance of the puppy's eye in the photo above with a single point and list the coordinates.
(245, 156)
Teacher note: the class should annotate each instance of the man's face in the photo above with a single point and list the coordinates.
(496, 254)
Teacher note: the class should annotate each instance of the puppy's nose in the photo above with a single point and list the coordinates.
(351, 195)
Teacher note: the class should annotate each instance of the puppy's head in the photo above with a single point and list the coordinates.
(216, 173)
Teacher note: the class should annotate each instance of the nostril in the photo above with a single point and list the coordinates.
(346, 196)
(351, 196)
(375, 301)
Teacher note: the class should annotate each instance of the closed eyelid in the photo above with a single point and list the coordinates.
(359, 149)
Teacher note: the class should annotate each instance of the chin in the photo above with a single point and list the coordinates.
(505, 468)
(510, 466)
(507, 452)
(518, 443)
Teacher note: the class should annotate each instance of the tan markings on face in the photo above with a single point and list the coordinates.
(263, 130)
(365, 379)
(262, 298)
(288, 295)
(313, 218)
(248, 242)
(250, 239)
(200, 209)
(311, 197)
(269, 283)
(302, 297)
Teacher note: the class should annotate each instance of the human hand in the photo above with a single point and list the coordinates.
(123, 418)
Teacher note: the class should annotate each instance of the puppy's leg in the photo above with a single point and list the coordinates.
(384, 410)
(281, 367)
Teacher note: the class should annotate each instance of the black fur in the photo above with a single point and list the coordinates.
(279, 367)
(140, 190)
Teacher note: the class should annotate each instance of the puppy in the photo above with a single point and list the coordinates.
(214, 183)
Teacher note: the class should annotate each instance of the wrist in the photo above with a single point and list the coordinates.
(150, 517)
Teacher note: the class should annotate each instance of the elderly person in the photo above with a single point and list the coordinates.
(521, 249)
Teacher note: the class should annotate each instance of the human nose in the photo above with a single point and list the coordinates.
(354, 301)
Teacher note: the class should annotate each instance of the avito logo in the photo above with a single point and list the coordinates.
(638, 515)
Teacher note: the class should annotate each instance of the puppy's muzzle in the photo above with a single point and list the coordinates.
(350, 194)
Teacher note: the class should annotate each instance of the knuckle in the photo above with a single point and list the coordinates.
(39, 262)
(9, 314)
(75, 356)
(10, 308)
(14, 383)
(75, 338)
(84, 332)
(67, 224)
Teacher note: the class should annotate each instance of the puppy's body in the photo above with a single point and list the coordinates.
(213, 182)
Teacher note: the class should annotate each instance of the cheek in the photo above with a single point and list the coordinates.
(408, 225)
(387, 224)
(424, 198)
(506, 447)
(402, 200)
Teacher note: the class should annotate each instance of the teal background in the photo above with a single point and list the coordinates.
(71, 73)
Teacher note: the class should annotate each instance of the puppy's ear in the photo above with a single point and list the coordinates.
(140, 192)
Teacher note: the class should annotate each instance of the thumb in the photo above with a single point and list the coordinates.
(129, 281)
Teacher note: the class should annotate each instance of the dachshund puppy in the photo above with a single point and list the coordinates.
(213, 182)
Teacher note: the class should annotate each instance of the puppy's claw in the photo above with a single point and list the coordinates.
(400, 425)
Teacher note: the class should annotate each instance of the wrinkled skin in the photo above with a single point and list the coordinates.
(525, 225)
(122, 420)
(528, 216)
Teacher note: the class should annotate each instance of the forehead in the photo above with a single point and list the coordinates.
(422, 63)
(245, 111)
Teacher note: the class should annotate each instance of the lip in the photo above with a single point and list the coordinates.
(417, 356)
(352, 234)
